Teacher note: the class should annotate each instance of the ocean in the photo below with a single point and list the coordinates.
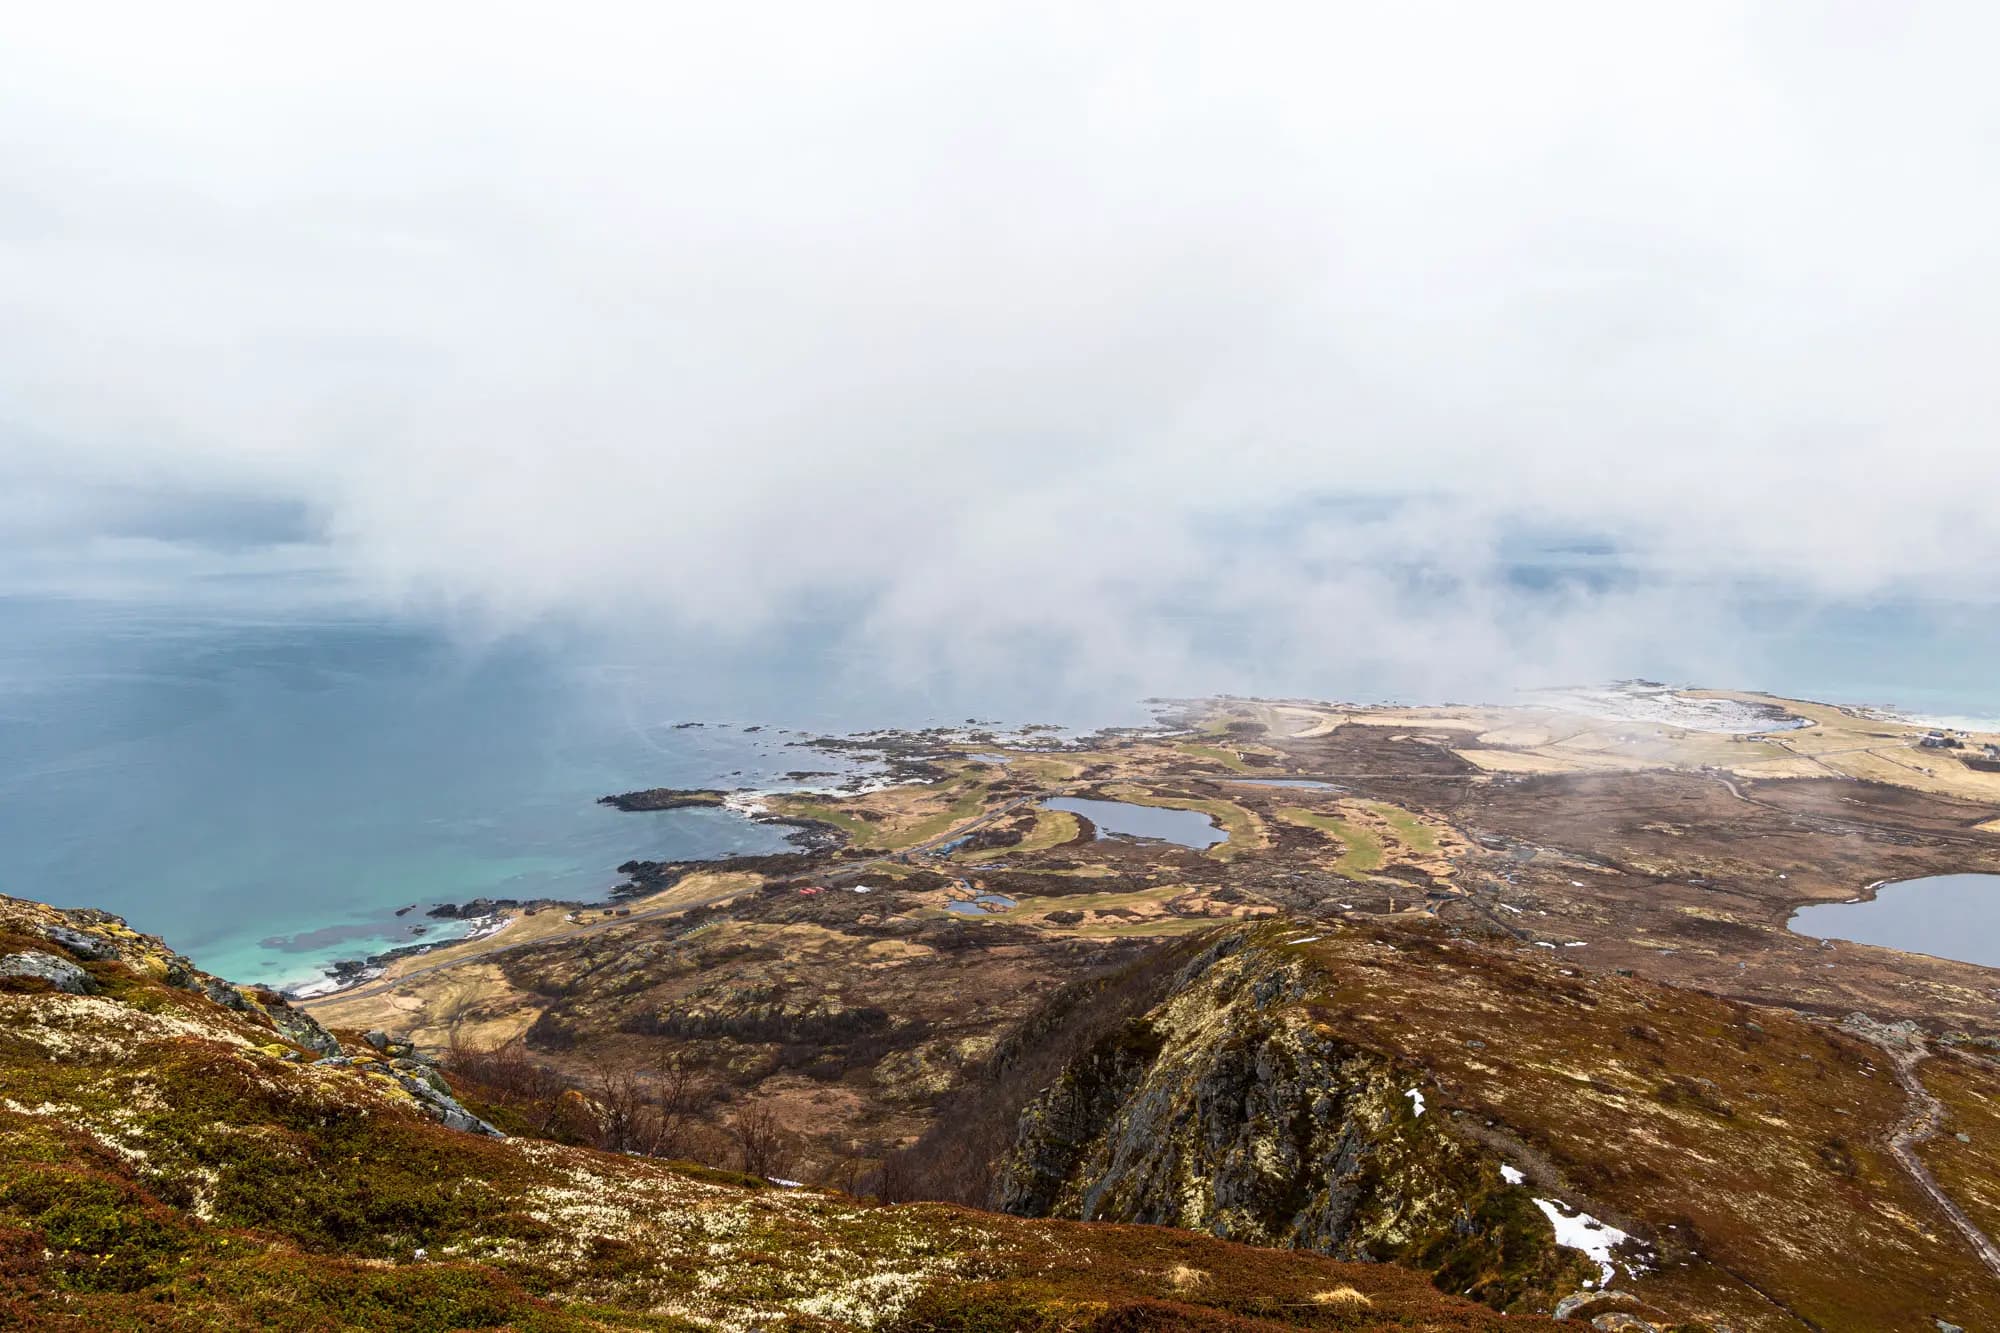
(268, 791)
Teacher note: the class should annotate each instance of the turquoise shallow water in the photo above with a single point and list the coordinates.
(267, 795)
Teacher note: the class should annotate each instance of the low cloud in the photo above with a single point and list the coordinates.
(1196, 353)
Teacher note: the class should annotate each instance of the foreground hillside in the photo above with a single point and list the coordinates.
(179, 1153)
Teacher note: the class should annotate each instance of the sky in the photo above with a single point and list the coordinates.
(1096, 333)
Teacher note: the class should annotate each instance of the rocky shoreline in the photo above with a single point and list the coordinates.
(350, 972)
(896, 758)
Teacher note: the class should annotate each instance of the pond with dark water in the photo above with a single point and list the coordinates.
(1123, 819)
(1945, 916)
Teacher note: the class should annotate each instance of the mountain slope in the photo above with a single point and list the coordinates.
(1392, 1092)
(179, 1153)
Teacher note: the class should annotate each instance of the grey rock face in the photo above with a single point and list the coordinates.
(61, 973)
(223, 994)
(446, 1108)
(83, 945)
(1228, 1108)
(302, 1030)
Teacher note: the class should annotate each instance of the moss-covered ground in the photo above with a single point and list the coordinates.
(170, 1163)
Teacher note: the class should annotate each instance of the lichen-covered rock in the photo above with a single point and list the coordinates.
(1229, 1109)
(95, 948)
(1621, 1321)
(438, 1102)
(100, 937)
(1590, 1304)
(33, 965)
(302, 1030)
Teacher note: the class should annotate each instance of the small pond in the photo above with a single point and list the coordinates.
(1123, 819)
(1946, 916)
(980, 905)
(1281, 782)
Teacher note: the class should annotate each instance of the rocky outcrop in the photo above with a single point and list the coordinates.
(1228, 1109)
(83, 939)
(60, 973)
(417, 1076)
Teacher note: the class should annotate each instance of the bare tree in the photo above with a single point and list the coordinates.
(645, 1114)
(894, 1181)
(507, 1075)
(759, 1140)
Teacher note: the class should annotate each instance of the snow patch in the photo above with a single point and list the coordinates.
(1512, 1175)
(1416, 1101)
(1581, 1231)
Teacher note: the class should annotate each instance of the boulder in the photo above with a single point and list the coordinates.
(60, 973)
(223, 994)
(1590, 1304)
(378, 1039)
(302, 1030)
(437, 1100)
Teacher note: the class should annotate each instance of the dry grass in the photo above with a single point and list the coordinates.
(1654, 1106)
(1342, 1298)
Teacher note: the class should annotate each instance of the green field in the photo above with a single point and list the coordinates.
(1361, 850)
(967, 806)
(1052, 828)
(1228, 760)
(968, 803)
(1419, 836)
(860, 830)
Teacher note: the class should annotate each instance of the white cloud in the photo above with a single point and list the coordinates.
(698, 314)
